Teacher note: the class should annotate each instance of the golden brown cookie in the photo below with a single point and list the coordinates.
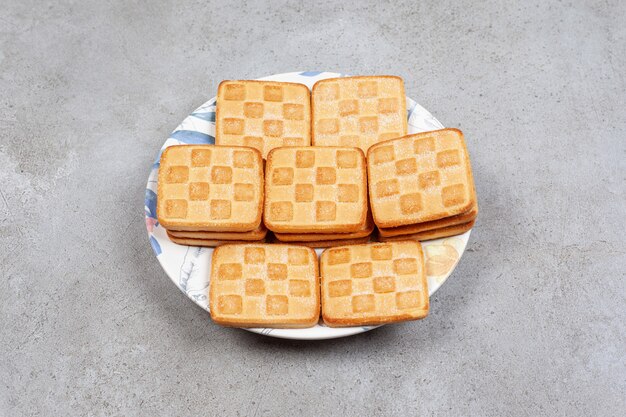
(431, 225)
(419, 178)
(210, 243)
(315, 189)
(210, 188)
(253, 235)
(433, 234)
(372, 284)
(358, 111)
(261, 285)
(263, 114)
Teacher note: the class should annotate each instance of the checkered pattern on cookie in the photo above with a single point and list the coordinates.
(263, 114)
(358, 111)
(210, 188)
(418, 178)
(374, 283)
(311, 189)
(264, 285)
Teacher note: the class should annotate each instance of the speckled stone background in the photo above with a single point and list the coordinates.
(532, 322)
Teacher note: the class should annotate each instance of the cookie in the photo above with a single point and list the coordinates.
(373, 284)
(254, 235)
(262, 285)
(367, 230)
(263, 114)
(431, 225)
(315, 189)
(433, 234)
(358, 111)
(210, 188)
(210, 243)
(419, 178)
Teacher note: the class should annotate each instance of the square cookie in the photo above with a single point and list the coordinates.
(372, 284)
(210, 188)
(263, 114)
(263, 285)
(419, 178)
(358, 111)
(315, 189)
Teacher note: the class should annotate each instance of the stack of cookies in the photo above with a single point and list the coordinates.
(317, 196)
(421, 186)
(209, 195)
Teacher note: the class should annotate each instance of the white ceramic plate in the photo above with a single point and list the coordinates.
(188, 266)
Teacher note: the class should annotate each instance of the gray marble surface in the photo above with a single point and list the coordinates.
(532, 322)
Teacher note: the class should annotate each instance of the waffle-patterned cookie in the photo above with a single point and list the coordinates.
(315, 189)
(373, 284)
(264, 286)
(210, 243)
(433, 234)
(367, 230)
(263, 114)
(210, 188)
(253, 235)
(331, 243)
(431, 225)
(358, 111)
(418, 178)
